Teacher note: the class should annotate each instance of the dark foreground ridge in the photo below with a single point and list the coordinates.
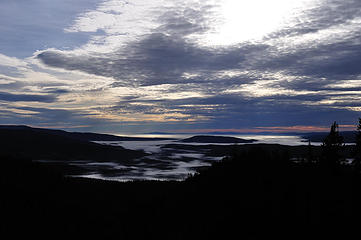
(216, 139)
(82, 136)
(254, 194)
(44, 144)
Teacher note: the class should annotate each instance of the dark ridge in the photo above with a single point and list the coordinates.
(84, 136)
(43, 144)
(216, 139)
(348, 136)
(213, 150)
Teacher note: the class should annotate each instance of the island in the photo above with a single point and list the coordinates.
(216, 139)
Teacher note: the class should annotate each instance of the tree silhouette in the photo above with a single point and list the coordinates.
(357, 161)
(358, 138)
(331, 147)
(310, 156)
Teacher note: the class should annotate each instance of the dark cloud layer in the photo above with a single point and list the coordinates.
(9, 97)
(157, 59)
(234, 111)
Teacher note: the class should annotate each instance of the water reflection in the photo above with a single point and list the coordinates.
(162, 163)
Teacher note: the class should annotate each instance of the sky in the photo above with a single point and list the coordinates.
(135, 66)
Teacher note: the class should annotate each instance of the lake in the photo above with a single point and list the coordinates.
(165, 163)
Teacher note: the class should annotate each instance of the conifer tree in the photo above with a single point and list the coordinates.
(358, 142)
(310, 157)
(332, 146)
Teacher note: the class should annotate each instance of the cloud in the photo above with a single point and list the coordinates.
(10, 97)
(11, 61)
(235, 111)
(164, 54)
(153, 61)
(156, 59)
(27, 26)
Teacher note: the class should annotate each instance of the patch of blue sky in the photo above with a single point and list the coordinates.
(28, 26)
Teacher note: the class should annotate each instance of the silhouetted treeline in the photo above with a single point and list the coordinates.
(253, 194)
